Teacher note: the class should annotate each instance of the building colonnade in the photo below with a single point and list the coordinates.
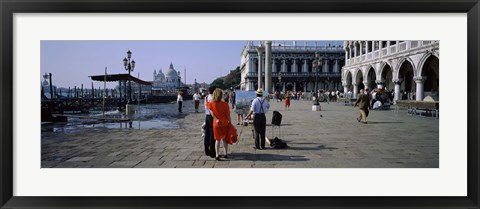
(399, 66)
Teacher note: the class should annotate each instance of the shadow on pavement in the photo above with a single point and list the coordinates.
(265, 157)
(319, 148)
(383, 122)
(280, 125)
(304, 143)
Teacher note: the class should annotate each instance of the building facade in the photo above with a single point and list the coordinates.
(292, 67)
(399, 66)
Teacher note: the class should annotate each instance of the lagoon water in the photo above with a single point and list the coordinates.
(148, 116)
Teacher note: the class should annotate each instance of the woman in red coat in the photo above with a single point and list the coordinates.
(221, 120)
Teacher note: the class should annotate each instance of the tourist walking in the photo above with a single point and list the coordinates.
(259, 108)
(208, 140)
(233, 99)
(220, 112)
(333, 96)
(287, 100)
(180, 101)
(404, 95)
(196, 99)
(226, 96)
(363, 104)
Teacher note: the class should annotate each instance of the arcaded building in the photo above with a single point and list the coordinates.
(411, 66)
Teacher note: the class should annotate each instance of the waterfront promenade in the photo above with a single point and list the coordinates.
(331, 138)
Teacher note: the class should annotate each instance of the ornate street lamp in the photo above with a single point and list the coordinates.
(129, 66)
(179, 79)
(318, 65)
(195, 86)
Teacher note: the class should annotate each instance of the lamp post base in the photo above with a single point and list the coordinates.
(316, 107)
(129, 109)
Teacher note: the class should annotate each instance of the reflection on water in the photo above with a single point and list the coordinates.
(152, 116)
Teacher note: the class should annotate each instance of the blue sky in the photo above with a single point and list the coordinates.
(71, 62)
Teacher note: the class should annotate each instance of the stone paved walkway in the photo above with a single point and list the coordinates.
(330, 138)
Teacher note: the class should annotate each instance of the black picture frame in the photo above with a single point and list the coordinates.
(9, 7)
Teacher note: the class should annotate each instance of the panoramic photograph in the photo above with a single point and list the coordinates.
(240, 104)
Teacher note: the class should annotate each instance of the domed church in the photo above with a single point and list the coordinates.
(168, 81)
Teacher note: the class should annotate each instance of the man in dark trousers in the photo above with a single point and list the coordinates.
(208, 140)
(259, 107)
(363, 104)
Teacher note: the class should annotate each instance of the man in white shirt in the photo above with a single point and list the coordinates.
(259, 107)
(196, 99)
(180, 101)
(208, 140)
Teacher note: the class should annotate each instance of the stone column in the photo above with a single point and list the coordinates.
(294, 66)
(294, 86)
(354, 50)
(388, 47)
(325, 65)
(284, 66)
(305, 66)
(304, 86)
(351, 52)
(268, 67)
(274, 66)
(361, 48)
(397, 90)
(250, 65)
(283, 87)
(345, 89)
(260, 50)
(347, 53)
(335, 67)
(355, 90)
(365, 85)
(419, 81)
